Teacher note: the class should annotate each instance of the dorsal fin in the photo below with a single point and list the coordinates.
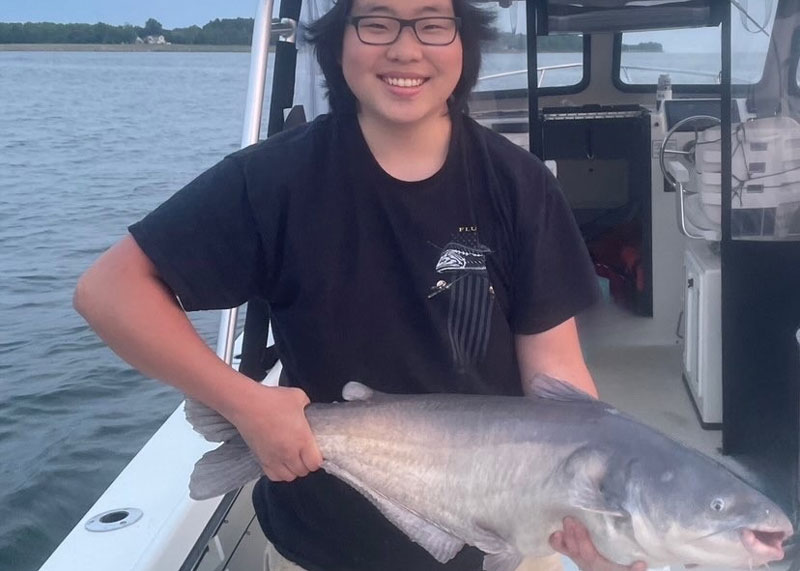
(357, 391)
(547, 387)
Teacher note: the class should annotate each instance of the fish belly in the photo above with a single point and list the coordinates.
(465, 477)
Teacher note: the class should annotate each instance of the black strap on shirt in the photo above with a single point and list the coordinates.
(256, 357)
(284, 71)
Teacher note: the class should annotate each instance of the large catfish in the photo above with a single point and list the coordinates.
(501, 473)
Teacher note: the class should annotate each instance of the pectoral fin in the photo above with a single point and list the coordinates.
(500, 555)
(439, 543)
(504, 561)
(591, 487)
(589, 501)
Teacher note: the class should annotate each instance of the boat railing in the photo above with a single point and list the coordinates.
(624, 72)
(540, 70)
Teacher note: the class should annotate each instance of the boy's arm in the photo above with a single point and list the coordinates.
(555, 352)
(126, 303)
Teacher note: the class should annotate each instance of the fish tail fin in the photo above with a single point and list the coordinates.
(206, 421)
(227, 467)
(224, 469)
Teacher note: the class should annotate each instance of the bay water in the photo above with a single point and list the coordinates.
(89, 143)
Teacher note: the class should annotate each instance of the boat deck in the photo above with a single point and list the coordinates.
(642, 380)
(646, 381)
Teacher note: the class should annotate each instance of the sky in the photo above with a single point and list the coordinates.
(183, 13)
(171, 13)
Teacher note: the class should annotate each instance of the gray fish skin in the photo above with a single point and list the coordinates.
(501, 473)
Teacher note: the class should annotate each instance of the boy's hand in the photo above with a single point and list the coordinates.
(575, 543)
(274, 426)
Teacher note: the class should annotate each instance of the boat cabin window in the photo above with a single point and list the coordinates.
(500, 98)
(692, 56)
(561, 62)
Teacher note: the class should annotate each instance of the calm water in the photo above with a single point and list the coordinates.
(89, 143)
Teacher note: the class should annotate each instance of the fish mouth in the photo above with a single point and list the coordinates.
(764, 544)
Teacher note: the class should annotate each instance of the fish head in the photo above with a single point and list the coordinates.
(696, 511)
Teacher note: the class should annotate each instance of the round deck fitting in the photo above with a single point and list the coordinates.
(114, 519)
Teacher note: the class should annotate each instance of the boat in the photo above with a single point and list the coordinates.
(685, 181)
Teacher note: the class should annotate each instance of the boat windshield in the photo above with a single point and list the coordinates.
(692, 56)
(560, 56)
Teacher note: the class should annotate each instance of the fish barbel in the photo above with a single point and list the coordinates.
(501, 473)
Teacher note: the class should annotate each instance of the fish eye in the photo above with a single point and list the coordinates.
(717, 504)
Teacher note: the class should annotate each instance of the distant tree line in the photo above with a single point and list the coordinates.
(48, 33)
(518, 42)
(231, 31)
(643, 47)
(560, 43)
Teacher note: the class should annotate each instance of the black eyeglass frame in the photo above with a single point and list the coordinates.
(354, 20)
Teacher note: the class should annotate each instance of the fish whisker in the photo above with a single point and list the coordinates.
(713, 533)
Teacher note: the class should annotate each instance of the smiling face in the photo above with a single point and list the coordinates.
(405, 82)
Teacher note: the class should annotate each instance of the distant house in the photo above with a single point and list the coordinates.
(152, 40)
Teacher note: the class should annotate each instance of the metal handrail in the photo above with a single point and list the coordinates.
(713, 75)
(676, 184)
(259, 56)
(624, 69)
(541, 70)
(682, 214)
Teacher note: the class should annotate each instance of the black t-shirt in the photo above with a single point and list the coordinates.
(409, 287)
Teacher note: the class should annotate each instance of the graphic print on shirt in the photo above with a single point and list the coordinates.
(462, 265)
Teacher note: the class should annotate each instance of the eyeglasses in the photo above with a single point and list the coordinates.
(384, 30)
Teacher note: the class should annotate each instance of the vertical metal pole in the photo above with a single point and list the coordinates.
(725, 128)
(534, 126)
(259, 56)
(725, 243)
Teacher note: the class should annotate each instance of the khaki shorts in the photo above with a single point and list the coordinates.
(278, 562)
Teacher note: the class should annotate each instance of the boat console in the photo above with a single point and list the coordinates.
(765, 170)
(765, 205)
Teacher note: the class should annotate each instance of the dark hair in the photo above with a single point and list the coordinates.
(327, 34)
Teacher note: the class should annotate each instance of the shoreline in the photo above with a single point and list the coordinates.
(161, 48)
(183, 48)
(121, 48)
